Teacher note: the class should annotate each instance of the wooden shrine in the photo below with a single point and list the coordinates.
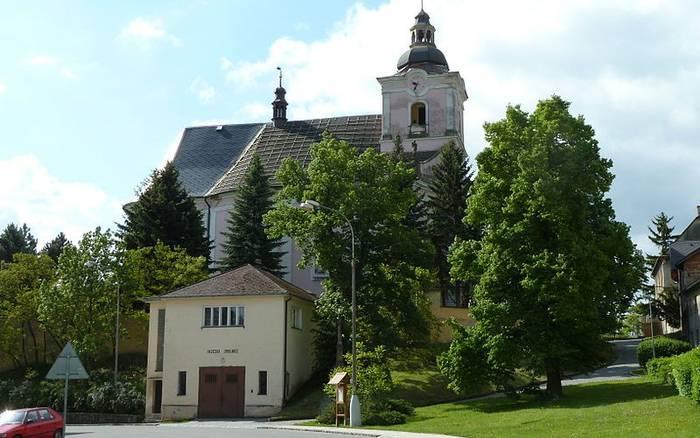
(342, 403)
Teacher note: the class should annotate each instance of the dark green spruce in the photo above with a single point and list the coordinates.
(164, 212)
(246, 238)
(15, 239)
(447, 203)
(55, 248)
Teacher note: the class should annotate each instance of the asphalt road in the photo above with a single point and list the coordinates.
(190, 430)
(625, 363)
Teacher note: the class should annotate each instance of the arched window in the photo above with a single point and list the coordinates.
(430, 37)
(418, 114)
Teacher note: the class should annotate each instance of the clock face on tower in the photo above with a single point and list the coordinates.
(417, 83)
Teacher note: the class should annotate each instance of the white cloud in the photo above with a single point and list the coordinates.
(52, 64)
(203, 90)
(49, 205)
(143, 32)
(631, 68)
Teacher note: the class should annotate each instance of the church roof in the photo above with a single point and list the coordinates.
(246, 280)
(205, 153)
(293, 140)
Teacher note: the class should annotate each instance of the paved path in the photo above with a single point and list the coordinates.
(625, 363)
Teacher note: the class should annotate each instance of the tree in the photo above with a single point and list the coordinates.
(371, 191)
(55, 248)
(14, 240)
(159, 269)
(246, 238)
(164, 212)
(80, 306)
(21, 338)
(666, 302)
(447, 203)
(662, 233)
(554, 269)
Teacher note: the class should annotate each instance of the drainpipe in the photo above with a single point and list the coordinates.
(208, 218)
(284, 357)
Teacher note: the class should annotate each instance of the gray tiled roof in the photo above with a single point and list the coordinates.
(680, 251)
(205, 154)
(246, 280)
(294, 139)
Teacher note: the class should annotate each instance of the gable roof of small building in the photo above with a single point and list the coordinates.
(205, 153)
(294, 140)
(246, 280)
(681, 251)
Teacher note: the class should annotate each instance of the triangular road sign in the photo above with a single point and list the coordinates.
(69, 363)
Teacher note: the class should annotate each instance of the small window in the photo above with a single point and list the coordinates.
(45, 415)
(231, 378)
(262, 382)
(182, 383)
(418, 113)
(210, 378)
(224, 316)
(297, 318)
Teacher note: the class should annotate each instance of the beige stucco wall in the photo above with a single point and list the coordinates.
(259, 345)
(443, 333)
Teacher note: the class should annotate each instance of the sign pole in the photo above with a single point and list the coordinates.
(65, 393)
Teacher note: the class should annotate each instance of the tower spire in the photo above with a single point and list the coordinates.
(279, 105)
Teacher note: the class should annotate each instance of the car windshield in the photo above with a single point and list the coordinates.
(11, 417)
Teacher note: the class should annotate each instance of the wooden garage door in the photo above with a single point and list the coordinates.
(221, 392)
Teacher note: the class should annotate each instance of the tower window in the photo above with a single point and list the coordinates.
(418, 113)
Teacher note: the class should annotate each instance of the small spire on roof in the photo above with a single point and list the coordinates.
(279, 105)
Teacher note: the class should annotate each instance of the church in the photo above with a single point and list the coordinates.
(206, 340)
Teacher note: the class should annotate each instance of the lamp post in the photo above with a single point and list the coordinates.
(116, 337)
(355, 412)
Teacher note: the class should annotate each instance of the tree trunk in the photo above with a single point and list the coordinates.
(554, 379)
(339, 343)
(36, 347)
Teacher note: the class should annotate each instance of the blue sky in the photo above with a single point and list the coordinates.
(93, 95)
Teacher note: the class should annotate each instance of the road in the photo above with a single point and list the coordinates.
(625, 363)
(190, 430)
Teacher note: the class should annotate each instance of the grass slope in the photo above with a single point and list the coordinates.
(626, 408)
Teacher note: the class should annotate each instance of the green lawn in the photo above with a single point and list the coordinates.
(627, 408)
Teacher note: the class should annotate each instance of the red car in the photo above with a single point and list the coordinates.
(31, 423)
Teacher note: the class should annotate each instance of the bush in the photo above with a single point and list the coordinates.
(665, 347)
(660, 369)
(685, 367)
(402, 406)
(385, 418)
(327, 415)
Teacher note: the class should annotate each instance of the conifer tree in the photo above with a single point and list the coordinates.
(447, 203)
(15, 240)
(55, 248)
(666, 301)
(246, 238)
(662, 233)
(164, 212)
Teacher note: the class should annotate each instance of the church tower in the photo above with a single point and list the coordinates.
(423, 101)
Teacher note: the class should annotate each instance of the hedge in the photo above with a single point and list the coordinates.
(665, 347)
(661, 369)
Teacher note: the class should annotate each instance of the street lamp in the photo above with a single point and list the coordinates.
(355, 413)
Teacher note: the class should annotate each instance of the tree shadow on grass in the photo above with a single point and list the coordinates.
(580, 396)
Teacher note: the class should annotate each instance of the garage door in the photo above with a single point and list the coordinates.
(221, 392)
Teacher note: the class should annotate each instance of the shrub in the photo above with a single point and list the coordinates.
(684, 367)
(660, 369)
(385, 418)
(402, 406)
(665, 347)
(327, 414)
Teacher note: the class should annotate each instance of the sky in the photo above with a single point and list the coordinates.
(94, 95)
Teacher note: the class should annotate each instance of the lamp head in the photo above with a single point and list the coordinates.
(309, 205)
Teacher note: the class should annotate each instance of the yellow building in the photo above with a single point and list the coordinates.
(237, 344)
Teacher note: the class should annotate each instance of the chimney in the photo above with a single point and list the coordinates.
(279, 105)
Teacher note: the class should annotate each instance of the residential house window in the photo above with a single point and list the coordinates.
(297, 318)
(182, 383)
(262, 382)
(224, 316)
(319, 274)
(418, 114)
(456, 296)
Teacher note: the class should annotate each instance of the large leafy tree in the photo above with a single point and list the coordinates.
(554, 269)
(447, 203)
(246, 237)
(55, 248)
(370, 190)
(21, 337)
(15, 239)
(164, 212)
(80, 306)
